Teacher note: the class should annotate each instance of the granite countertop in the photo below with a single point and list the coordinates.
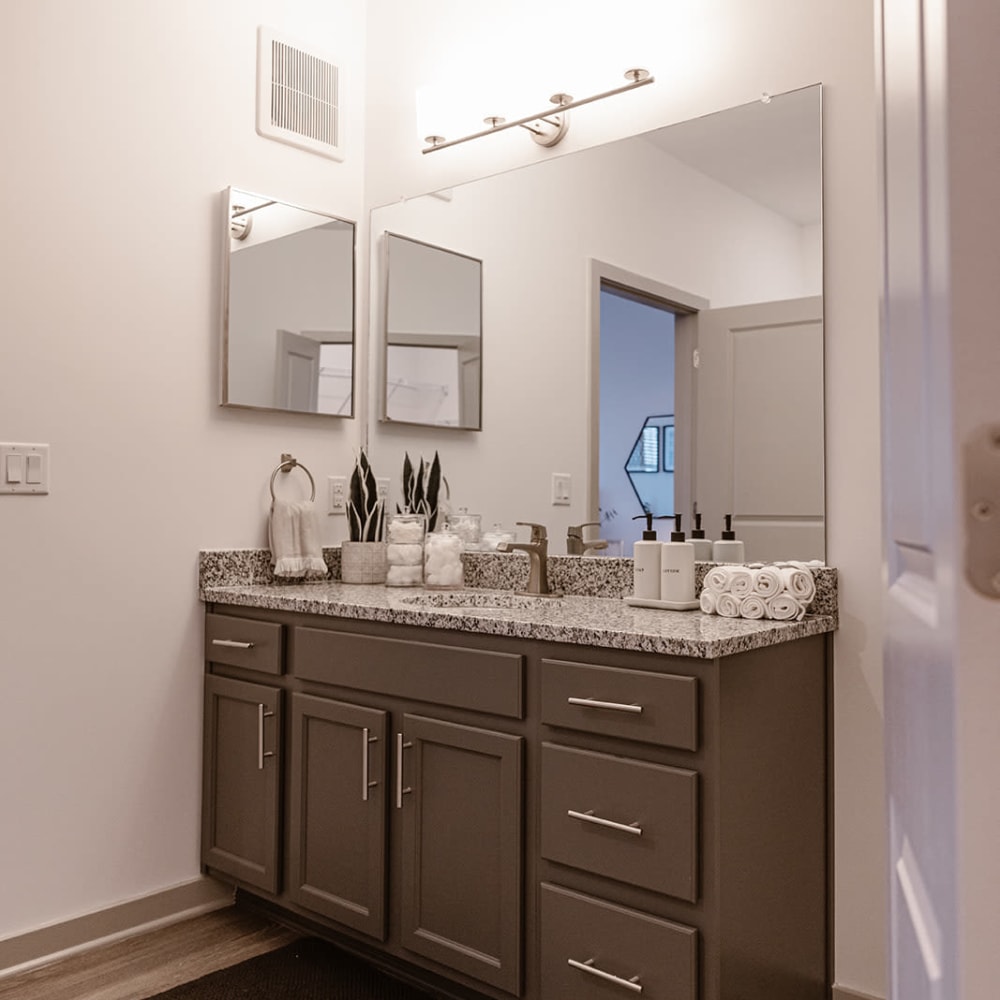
(584, 620)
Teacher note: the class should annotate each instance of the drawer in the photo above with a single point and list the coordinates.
(612, 701)
(627, 819)
(621, 951)
(243, 642)
(478, 679)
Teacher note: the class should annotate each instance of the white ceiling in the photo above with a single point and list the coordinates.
(771, 152)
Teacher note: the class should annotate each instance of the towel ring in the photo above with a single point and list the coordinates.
(289, 462)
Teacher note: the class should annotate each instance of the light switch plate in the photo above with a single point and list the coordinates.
(561, 489)
(31, 462)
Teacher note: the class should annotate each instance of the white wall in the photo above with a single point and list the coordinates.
(708, 56)
(124, 122)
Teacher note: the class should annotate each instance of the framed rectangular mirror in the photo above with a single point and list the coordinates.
(433, 360)
(288, 307)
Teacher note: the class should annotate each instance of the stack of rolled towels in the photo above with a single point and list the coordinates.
(782, 591)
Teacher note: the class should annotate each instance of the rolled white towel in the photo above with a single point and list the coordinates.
(799, 583)
(767, 581)
(727, 606)
(717, 580)
(708, 602)
(753, 606)
(784, 608)
(740, 581)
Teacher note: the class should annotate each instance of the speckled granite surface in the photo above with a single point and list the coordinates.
(591, 612)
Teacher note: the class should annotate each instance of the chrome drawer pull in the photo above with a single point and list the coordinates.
(400, 790)
(632, 984)
(589, 817)
(366, 741)
(261, 716)
(614, 706)
(232, 643)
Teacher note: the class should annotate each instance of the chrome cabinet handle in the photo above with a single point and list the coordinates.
(366, 741)
(614, 706)
(589, 817)
(632, 984)
(400, 790)
(261, 716)
(232, 643)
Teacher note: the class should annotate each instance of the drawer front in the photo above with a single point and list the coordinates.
(243, 642)
(594, 950)
(478, 679)
(612, 701)
(627, 819)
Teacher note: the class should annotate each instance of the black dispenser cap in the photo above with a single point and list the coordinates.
(677, 535)
(648, 534)
(728, 534)
(697, 531)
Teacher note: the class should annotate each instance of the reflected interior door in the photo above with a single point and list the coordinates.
(759, 452)
(296, 378)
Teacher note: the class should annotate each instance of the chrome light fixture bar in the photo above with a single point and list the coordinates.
(546, 127)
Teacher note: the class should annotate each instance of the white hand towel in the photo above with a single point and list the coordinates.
(727, 606)
(717, 580)
(740, 581)
(294, 540)
(799, 583)
(708, 602)
(753, 606)
(784, 608)
(767, 581)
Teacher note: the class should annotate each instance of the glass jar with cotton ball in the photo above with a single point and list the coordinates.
(405, 549)
(443, 568)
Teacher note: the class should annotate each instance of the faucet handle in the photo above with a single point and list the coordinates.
(576, 530)
(538, 532)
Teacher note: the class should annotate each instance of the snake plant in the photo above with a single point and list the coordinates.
(421, 488)
(365, 509)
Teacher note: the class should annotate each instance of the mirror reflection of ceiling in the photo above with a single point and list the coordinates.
(288, 330)
(726, 209)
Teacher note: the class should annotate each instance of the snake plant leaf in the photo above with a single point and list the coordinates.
(432, 490)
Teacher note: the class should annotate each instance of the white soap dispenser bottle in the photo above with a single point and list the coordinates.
(646, 563)
(728, 548)
(702, 546)
(677, 568)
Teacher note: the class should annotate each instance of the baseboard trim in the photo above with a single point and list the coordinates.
(134, 916)
(843, 993)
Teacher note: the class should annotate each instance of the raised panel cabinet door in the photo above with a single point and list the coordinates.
(241, 781)
(459, 793)
(336, 821)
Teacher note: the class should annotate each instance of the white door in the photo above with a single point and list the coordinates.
(759, 441)
(296, 372)
(939, 77)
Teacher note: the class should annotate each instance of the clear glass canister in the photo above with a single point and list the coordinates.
(443, 569)
(497, 534)
(405, 549)
(467, 526)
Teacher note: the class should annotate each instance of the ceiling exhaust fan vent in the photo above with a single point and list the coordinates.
(298, 95)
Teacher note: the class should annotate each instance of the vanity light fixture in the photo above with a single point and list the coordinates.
(546, 127)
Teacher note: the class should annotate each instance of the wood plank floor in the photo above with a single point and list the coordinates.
(143, 966)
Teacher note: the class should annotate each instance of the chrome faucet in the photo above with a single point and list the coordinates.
(577, 545)
(538, 553)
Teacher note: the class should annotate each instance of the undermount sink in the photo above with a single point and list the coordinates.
(470, 599)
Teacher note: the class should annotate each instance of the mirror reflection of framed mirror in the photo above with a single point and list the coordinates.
(433, 335)
(288, 295)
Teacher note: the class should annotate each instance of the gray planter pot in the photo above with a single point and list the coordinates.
(362, 562)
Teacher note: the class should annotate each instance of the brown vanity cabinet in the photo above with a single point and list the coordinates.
(520, 817)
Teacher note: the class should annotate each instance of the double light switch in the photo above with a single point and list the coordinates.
(24, 468)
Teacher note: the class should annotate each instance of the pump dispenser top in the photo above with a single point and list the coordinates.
(648, 534)
(677, 535)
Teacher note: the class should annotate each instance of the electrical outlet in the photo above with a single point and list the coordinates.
(561, 489)
(382, 488)
(337, 491)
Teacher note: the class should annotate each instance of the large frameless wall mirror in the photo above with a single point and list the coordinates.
(288, 294)
(433, 361)
(608, 267)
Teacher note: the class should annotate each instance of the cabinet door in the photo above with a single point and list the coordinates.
(459, 790)
(241, 781)
(336, 823)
